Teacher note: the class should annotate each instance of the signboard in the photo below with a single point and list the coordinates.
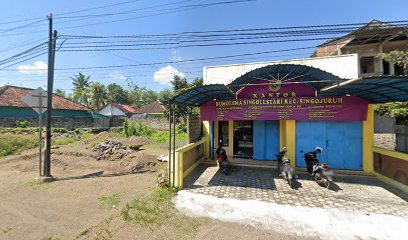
(37, 100)
(299, 108)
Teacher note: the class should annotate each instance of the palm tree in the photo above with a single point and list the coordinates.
(99, 95)
(81, 88)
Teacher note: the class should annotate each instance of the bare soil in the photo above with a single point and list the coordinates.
(68, 208)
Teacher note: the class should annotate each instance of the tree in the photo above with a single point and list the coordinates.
(397, 57)
(60, 93)
(399, 110)
(179, 84)
(116, 94)
(197, 82)
(138, 96)
(99, 95)
(81, 88)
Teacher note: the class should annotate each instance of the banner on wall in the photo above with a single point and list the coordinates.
(345, 108)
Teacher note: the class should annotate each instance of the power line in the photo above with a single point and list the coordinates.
(188, 7)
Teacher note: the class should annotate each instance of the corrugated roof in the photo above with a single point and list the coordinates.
(375, 89)
(199, 95)
(11, 96)
(154, 107)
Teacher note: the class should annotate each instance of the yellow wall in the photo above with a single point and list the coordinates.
(288, 139)
(206, 130)
(368, 140)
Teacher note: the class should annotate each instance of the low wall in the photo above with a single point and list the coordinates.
(187, 159)
(194, 129)
(401, 132)
(385, 140)
(155, 123)
(391, 164)
(68, 123)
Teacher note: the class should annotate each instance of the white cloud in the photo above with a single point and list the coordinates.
(117, 75)
(175, 57)
(38, 67)
(166, 74)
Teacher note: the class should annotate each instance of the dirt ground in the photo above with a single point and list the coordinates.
(70, 207)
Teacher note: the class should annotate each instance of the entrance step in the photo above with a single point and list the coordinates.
(248, 163)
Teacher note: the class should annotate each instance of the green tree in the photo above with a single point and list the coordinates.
(397, 57)
(399, 110)
(116, 94)
(99, 96)
(197, 82)
(81, 88)
(60, 93)
(138, 96)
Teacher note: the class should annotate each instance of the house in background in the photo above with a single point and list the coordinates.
(115, 109)
(66, 113)
(151, 110)
(368, 41)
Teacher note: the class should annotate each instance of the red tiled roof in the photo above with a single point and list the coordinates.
(124, 108)
(11, 96)
(154, 107)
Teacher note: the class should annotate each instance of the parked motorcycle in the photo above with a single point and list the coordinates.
(222, 160)
(321, 173)
(285, 169)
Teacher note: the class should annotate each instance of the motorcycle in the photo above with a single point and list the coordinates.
(222, 160)
(285, 169)
(321, 173)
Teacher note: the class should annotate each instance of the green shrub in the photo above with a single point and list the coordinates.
(59, 130)
(22, 124)
(11, 143)
(181, 128)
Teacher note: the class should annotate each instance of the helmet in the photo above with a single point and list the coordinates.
(284, 149)
(320, 149)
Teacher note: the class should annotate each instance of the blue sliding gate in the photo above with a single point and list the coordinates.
(266, 140)
(341, 141)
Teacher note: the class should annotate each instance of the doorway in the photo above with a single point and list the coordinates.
(243, 139)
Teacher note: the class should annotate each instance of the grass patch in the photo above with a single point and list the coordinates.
(12, 143)
(151, 210)
(131, 128)
(63, 141)
(109, 202)
(37, 185)
(6, 229)
(157, 211)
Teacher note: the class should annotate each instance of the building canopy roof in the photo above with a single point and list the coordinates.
(374, 89)
(199, 95)
(314, 77)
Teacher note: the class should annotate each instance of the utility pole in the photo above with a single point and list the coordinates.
(52, 37)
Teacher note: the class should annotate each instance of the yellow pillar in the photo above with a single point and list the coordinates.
(368, 140)
(287, 130)
(290, 127)
(206, 131)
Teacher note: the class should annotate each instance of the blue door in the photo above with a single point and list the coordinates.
(345, 153)
(341, 141)
(310, 134)
(266, 140)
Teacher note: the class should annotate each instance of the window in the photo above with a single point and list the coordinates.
(398, 70)
(367, 65)
(223, 133)
(386, 67)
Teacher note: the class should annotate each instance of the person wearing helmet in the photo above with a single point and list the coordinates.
(280, 158)
(313, 158)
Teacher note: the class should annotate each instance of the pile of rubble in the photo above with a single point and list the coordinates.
(110, 150)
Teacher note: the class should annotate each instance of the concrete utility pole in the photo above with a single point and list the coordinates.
(52, 37)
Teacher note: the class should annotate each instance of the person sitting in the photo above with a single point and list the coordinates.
(222, 160)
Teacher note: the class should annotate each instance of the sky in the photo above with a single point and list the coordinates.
(159, 17)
